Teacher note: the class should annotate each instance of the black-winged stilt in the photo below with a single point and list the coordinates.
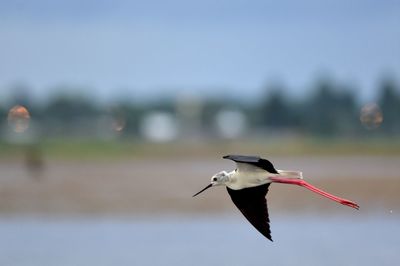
(248, 185)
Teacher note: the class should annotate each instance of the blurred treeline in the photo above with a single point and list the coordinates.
(330, 110)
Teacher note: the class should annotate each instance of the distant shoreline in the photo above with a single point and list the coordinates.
(116, 149)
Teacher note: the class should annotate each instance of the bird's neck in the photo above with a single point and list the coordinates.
(231, 177)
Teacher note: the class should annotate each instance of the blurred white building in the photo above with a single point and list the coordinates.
(159, 127)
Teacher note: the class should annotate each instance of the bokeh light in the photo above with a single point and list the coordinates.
(119, 124)
(371, 116)
(18, 118)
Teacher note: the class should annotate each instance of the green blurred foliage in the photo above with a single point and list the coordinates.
(331, 110)
(389, 101)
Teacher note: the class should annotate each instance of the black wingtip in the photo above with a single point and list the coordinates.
(267, 235)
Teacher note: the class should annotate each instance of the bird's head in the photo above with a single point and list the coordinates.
(218, 179)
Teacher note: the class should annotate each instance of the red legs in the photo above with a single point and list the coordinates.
(301, 182)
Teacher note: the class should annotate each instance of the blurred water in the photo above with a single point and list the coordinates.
(305, 240)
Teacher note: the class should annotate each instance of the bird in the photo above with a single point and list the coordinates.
(248, 185)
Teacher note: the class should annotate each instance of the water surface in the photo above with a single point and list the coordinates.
(304, 240)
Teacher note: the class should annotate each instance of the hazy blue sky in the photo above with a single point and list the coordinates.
(138, 48)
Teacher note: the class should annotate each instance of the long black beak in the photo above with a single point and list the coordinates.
(210, 185)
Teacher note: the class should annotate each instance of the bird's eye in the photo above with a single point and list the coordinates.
(215, 179)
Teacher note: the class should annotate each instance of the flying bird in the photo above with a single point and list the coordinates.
(248, 185)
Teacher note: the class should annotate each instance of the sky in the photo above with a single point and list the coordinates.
(147, 49)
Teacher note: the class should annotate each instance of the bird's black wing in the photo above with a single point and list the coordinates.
(253, 160)
(253, 204)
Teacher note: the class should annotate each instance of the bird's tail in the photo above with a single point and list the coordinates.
(291, 174)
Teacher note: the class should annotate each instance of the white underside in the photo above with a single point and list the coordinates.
(253, 177)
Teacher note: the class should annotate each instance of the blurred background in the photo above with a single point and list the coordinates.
(114, 113)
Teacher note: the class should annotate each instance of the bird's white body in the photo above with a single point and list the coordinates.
(246, 175)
